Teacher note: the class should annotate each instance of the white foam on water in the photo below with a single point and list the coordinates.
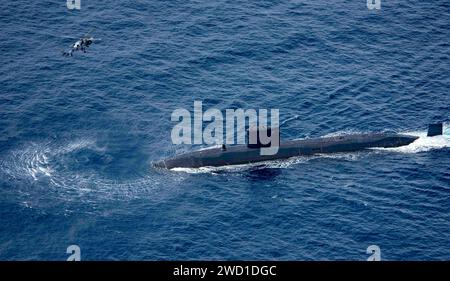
(34, 159)
(274, 164)
(209, 147)
(46, 162)
(422, 144)
(213, 170)
(342, 133)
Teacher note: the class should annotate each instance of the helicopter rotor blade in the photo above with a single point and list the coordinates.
(90, 31)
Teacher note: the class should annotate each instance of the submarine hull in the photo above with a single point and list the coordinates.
(242, 154)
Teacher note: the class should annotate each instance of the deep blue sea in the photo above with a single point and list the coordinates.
(78, 134)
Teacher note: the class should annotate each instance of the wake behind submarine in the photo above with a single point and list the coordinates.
(250, 153)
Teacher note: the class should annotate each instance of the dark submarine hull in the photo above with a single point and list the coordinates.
(242, 154)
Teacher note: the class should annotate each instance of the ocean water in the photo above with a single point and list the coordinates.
(78, 134)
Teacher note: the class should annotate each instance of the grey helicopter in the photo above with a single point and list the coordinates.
(81, 45)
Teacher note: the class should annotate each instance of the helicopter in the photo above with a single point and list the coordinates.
(81, 45)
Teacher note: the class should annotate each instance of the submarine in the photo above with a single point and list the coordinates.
(250, 153)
